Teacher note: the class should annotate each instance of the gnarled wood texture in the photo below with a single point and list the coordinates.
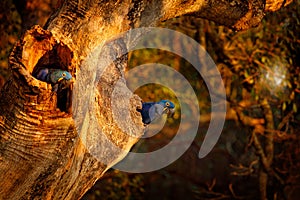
(54, 146)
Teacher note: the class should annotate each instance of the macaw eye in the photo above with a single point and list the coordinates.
(64, 74)
(167, 104)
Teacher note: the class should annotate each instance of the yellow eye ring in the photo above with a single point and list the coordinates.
(167, 104)
(64, 74)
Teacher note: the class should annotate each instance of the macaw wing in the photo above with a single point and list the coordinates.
(42, 75)
(145, 112)
(155, 111)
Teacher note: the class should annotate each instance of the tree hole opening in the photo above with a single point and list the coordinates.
(56, 67)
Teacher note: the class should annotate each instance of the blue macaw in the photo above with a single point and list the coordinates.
(153, 110)
(59, 79)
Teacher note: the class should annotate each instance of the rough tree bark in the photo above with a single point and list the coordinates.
(42, 155)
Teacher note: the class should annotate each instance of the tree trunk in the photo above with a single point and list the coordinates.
(56, 145)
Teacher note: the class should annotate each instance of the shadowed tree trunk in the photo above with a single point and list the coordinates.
(55, 146)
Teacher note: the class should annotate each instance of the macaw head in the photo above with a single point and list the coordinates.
(62, 75)
(169, 107)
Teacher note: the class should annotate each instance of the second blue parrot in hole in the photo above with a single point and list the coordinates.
(59, 79)
(153, 110)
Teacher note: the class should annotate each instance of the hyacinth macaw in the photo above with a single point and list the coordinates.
(59, 79)
(153, 110)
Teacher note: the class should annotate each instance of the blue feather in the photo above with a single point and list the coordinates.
(153, 110)
(59, 79)
(53, 76)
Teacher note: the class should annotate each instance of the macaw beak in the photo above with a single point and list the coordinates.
(171, 112)
(72, 80)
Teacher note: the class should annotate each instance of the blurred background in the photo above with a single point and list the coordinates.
(261, 72)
